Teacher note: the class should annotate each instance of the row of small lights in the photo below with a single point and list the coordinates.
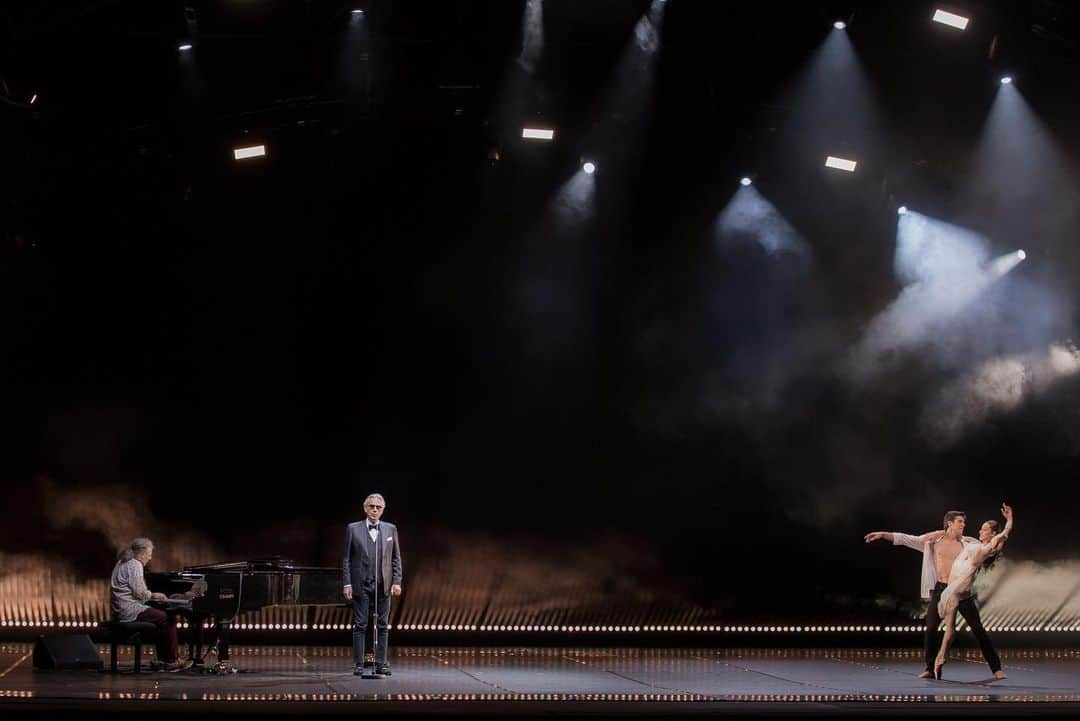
(249, 697)
(562, 629)
(678, 697)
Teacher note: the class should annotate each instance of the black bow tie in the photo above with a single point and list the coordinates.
(373, 528)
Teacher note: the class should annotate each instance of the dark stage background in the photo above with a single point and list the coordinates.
(607, 404)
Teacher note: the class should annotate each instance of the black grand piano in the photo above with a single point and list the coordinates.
(226, 590)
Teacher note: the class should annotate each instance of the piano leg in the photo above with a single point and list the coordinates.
(195, 635)
(198, 637)
(223, 665)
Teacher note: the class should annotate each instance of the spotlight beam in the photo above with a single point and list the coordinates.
(1003, 264)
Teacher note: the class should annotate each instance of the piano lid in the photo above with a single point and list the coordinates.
(274, 564)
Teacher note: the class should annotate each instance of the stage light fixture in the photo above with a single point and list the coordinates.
(1006, 79)
(33, 98)
(1021, 254)
(951, 19)
(538, 133)
(251, 151)
(589, 167)
(901, 210)
(839, 24)
(358, 12)
(840, 164)
(745, 182)
(183, 47)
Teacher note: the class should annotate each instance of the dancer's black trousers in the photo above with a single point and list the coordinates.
(970, 612)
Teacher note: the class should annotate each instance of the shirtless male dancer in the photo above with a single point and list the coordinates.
(940, 549)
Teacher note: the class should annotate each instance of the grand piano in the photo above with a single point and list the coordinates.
(226, 590)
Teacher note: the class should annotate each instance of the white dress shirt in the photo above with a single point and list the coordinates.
(929, 568)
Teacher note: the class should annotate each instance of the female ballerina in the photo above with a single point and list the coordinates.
(962, 575)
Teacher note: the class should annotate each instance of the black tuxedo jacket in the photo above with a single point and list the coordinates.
(359, 561)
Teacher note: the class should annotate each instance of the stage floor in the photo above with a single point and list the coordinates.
(291, 679)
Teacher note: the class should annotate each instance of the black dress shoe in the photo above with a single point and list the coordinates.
(383, 670)
(358, 670)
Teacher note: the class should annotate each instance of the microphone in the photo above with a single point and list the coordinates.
(375, 620)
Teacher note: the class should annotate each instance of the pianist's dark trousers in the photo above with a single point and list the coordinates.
(167, 647)
(363, 607)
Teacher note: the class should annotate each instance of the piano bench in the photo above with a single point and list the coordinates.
(128, 633)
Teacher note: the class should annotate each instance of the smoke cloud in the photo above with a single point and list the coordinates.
(1026, 593)
(995, 387)
(121, 513)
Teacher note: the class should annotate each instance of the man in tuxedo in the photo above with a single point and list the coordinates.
(369, 543)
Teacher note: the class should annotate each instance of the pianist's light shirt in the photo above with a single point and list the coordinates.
(128, 590)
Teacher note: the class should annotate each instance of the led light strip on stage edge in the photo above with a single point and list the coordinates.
(1053, 628)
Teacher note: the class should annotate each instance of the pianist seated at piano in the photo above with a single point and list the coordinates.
(129, 596)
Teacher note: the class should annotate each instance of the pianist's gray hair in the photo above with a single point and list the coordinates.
(375, 495)
(135, 548)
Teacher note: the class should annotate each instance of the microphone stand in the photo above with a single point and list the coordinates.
(375, 624)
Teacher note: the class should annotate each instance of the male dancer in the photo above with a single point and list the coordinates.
(940, 549)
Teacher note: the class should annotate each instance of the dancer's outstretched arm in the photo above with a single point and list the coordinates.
(903, 539)
(998, 541)
(995, 544)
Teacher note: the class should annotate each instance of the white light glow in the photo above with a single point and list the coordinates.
(183, 46)
(33, 98)
(745, 182)
(750, 215)
(253, 151)
(1021, 254)
(538, 133)
(840, 164)
(901, 210)
(358, 12)
(951, 19)
(532, 35)
(1006, 79)
(839, 24)
(589, 167)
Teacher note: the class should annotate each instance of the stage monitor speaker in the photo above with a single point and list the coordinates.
(56, 652)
